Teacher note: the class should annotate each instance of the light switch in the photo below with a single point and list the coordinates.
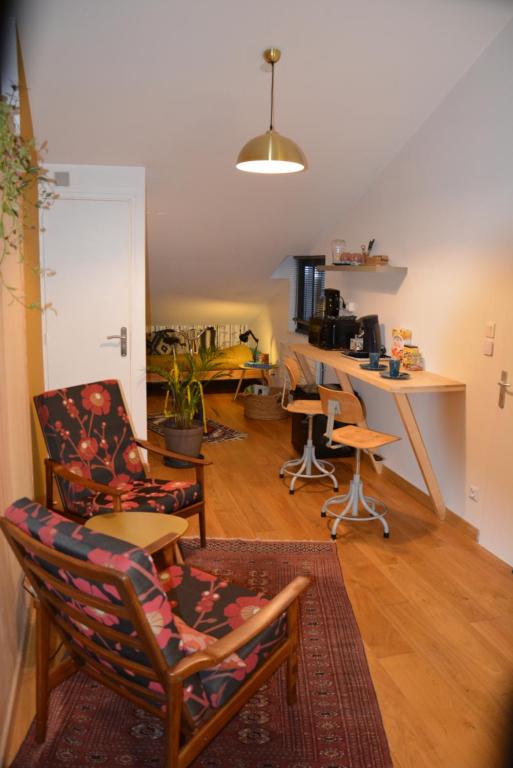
(62, 178)
(490, 330)
(488, 347)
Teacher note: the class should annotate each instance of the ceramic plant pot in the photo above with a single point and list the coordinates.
(185, 441)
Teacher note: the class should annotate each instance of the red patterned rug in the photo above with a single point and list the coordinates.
(335, 724)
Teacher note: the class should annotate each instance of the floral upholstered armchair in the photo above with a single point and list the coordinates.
(185, 645)
(94, 458)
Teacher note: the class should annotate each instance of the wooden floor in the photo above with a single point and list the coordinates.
(435, 610)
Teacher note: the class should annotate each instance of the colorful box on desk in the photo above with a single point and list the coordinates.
(412, 358)
(400, 337)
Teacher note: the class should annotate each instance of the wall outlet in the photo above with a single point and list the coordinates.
(473, 493)
(490, 329)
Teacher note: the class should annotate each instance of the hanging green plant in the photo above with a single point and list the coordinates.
(20, 173)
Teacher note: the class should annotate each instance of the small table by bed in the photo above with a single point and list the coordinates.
(261, 368)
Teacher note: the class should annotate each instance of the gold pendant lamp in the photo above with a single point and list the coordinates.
(270, 152)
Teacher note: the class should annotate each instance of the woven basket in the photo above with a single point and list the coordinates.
(265, 407)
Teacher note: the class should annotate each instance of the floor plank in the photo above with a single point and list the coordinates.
(434, 609)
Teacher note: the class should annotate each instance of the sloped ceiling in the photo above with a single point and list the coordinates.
(179, 87)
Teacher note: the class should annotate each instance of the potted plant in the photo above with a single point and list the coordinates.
(184, 404)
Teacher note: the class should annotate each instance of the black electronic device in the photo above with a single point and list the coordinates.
(322, 327)
(368, 330)
(369, 324)
(346, 328)
(331, 302)
(321, 332)
(314, 331)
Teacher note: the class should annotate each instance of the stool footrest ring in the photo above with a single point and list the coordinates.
(351, 509)
(309, 468)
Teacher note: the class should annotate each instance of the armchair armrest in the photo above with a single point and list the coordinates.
(170, 454)
(67, 474)
(52, 468)
(231, 642)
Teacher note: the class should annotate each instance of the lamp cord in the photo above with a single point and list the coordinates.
(272, 95)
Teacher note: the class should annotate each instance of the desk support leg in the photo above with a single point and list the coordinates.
(305, 368)
(421, 454)
(345, 383)
(242, 374)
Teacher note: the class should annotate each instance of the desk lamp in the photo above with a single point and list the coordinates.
(244, 337)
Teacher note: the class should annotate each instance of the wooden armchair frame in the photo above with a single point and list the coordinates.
(184, 741)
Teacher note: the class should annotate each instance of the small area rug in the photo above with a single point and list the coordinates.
(336, 722)
(216, 432)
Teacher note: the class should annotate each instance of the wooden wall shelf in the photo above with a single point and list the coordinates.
(361, 268)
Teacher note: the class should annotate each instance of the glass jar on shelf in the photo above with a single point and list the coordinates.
(338, 248)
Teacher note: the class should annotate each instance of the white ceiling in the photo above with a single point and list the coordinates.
(180, 86)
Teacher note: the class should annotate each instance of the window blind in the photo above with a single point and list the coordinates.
(309, 289)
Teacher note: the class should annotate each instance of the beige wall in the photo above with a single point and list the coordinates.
(20, 377)
(15, 481)
(33, 292)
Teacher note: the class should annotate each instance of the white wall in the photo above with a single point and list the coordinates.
(444, 208)
(191, 310)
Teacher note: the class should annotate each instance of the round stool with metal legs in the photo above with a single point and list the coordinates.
(308, 467)
(345, 407)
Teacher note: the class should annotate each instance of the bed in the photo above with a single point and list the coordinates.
(164, 344)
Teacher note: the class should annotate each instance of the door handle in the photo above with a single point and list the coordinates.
(124, 341)
(504, 386)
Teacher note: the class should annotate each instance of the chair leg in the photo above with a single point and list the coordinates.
(292, 631)
(292, 678)
(369, 504)
(42, 670)
(310, 467)
(335, 500)
(173, 718)
(352, 501)
(49, 483)
(202, 526)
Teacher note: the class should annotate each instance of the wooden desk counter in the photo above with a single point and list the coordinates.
(418, 383)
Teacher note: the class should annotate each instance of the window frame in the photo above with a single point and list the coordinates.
(302, 318)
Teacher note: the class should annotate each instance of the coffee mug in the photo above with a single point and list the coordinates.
(394, 367)
(374, 359)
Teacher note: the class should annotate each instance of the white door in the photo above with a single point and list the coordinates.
(496, 530)
(93, 239)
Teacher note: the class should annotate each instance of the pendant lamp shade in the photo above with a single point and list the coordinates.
(271, 152)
